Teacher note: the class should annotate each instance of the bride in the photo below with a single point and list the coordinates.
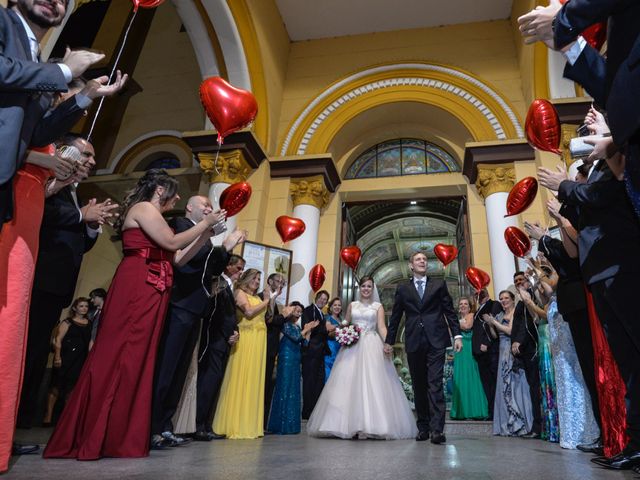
(363, 397)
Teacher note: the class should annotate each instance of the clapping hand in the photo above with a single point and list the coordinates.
(234, 238)
(536, 26)
(534, 230)
(95, 214)
(596, 123)
(550, 179)
(310, 326)
(79, 61)
(99, 87)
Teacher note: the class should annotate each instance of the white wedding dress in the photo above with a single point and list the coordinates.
(363, 396)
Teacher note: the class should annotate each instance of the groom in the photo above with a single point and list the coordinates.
(429, 316)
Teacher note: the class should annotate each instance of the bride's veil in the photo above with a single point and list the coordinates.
(375, 297)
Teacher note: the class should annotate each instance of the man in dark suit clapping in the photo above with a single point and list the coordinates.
(429, 316)
(219, 334)
(313, 354)
(485, 347)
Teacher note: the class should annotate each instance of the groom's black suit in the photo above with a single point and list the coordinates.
(427, 324)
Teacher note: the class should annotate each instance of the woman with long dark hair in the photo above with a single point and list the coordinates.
(109, 412)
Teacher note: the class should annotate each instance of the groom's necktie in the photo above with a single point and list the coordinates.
(420, 288)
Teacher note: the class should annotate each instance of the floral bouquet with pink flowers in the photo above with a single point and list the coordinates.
(347, 334)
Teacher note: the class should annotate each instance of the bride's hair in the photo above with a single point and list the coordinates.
(366, 279)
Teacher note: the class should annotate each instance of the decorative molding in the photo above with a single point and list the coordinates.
(229, 167)
(306, 166)
(495, 178)
(488, 153)
(205, 141)
(413, 81)
(309, 191)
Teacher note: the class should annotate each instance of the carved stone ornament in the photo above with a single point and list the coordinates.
(495, 178)
(309, 191)
(231, 167)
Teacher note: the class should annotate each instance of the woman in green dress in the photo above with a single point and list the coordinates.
(469, 400)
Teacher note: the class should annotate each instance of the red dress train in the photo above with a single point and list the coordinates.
(610, 386)
(19, 241)
(109, 411)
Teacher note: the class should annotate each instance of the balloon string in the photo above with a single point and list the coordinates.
(215, 162)
(113, 70)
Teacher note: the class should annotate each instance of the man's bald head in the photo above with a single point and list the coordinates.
(197, 207)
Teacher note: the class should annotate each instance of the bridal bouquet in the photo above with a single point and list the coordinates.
(347, 334)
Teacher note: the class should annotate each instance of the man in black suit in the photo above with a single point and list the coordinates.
(485, 348)
(524, 346)
(97, 297)
(313, 354)
(219, 334)
(182, 325)
(26, 88)
(67, 232)
(572, 305)
(609, 235)
(275, 320)
(429, 319)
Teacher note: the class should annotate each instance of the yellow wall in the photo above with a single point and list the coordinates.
(485, 49)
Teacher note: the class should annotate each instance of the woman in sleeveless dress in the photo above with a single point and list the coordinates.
(512, 412)
(363, 397)
(240, 410)
(109, 411)
(70, 350)
(333, 321)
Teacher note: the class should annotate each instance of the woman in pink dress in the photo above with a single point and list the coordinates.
(109, 411)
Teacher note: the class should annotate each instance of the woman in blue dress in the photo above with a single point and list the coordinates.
(285, 407)
(333, 321)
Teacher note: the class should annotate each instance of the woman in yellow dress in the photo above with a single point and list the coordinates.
(240, 410)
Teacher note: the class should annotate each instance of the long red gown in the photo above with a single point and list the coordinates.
(610, 386)
(109, 411)
(19, 241)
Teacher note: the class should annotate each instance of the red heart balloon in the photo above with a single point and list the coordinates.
(229, 108)
(317, 276)
(145, 4)
(595, 35)
(521, 196)
(543, 126)
(517, 241)
(478, 278)
(235, 197)
(445, 253)
(351, 256)
(289, 227)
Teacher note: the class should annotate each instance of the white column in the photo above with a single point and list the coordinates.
(304, 252)
(215, 190)
(503, 265)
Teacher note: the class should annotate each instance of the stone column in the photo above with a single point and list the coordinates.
(494, 182)
(309, 196)
(230, 167)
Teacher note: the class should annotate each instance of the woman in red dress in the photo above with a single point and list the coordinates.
(109, 411)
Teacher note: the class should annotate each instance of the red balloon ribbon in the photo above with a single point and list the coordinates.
(235, 197)
(229, 108)
(317, 275)
(445, 253)
(289, 228)
(351, 256)
(517, 241)
(521, 196)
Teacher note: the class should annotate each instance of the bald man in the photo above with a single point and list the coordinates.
(186, 308)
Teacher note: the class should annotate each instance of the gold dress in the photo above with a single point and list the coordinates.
(240, 409)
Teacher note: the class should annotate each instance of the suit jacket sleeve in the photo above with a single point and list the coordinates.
(597, 194)
(217, 261)
(396, 315)
(229, 314)
(307, 316)
(576, 15)
(589, 70)
(552, 248)
(56, 123)
(518, 327)
(21, 75)
(277, 320)
(448, 310)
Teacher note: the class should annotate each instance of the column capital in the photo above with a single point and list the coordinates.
(230, 167)
(495, 178)
(569, 131)
(309, 191)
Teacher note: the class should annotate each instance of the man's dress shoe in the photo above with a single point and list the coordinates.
(422, 436)
(623, 461)
(437, 438)
(595, 448)
(18, 449)
(530, 435)
(177, 441)
(207, 436)
(158, 442)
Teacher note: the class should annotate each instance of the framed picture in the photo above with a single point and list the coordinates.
(269, 260)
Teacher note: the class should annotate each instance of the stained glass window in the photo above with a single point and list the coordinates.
(407, 156)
